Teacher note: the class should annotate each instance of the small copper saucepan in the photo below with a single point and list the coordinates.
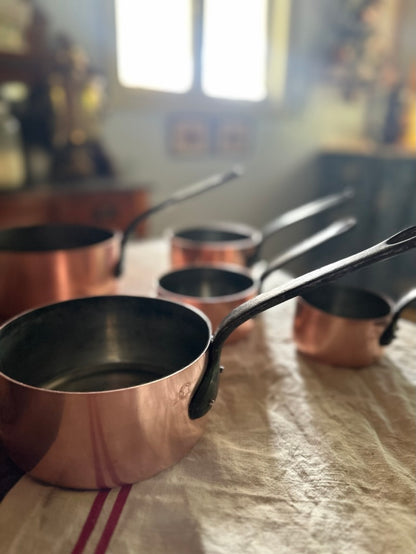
(237, 243)
(48, 263)
(218, 289)
(346, 326)
(102, 391)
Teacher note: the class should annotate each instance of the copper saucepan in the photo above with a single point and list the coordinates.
(237, 243)
(346, 326)
(49, 263)
(217, 289)
(101, 391)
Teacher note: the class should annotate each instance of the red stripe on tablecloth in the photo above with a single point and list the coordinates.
(90, 522)
(113, 519)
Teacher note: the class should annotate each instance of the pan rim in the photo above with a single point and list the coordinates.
(30, 312)
(230, 268)
(109, 235)
(381, 297)
(253, 237)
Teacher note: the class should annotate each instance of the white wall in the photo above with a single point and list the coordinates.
(279, 171)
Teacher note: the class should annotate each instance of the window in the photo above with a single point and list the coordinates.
(234, 49)
(217, 47)
(154, 44)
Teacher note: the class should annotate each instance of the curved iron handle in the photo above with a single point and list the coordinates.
(207, 389)
(390, 331)
(300, 213)
(333, 230)
(180, 196)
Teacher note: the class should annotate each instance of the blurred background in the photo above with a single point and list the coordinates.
(107, 106)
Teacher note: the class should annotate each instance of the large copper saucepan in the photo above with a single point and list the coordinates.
(50, 263)
(346, 326)
(237, 243)
(218, 289)
(96, 392)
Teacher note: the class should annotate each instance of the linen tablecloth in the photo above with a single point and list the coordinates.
(298, 457)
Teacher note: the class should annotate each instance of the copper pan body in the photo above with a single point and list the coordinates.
(342, 341)
(51, 263)
(102, 391)
(237, 243)
(94, 439)
(239, 249)
(216, 289)
(84, 267)
(217, 308)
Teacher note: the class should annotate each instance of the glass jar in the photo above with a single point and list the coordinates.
(12, 162)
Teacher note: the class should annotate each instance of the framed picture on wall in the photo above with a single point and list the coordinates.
(232, 136)
(189, 135)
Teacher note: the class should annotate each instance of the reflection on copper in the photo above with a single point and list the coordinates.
(338, 341)
(32, 279)
(101, 439)
(30, 420)
(182, 254)
(96, 444)
(216, 309)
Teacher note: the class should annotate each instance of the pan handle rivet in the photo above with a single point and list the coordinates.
(184, 391)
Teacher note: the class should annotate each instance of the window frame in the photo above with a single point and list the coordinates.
(121, 97)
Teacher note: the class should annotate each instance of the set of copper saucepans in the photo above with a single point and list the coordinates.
(237, 243)
(217, 289)
(49, 263)
(99, 390)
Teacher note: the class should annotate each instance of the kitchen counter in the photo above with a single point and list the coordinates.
(298, 457)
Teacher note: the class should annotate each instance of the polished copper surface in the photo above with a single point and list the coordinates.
(111, 436)
(240, 251)
(88, 400)
(216, 309)
(338, 341)
(103, 439)
(31, 279)
(40, 264)
(216, 289)
(237, 243)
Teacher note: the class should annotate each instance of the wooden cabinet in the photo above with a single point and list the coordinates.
(29, 69)
(111, 208)
(384, 181)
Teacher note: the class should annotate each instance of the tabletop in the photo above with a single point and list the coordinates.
(297, 457)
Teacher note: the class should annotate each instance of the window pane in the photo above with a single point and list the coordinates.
(234, 49)
(154, 44)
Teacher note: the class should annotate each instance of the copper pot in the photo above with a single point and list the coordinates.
(49, 263)
(217, 289)
(346, 326)
(237, 243)
(99, 392)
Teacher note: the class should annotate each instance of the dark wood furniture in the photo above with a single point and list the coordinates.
(384, 180)
(112, 206)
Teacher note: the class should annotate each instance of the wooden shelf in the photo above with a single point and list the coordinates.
(110, 208)
(29, 69)
(367, 148)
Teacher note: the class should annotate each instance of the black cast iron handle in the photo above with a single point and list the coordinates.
(303, 212)
(181, 195)
(390, 331)
(207, 389)
(333, 230)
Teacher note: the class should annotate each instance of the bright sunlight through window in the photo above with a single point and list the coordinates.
(154, 44)
(155, 47)
(234, 49)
